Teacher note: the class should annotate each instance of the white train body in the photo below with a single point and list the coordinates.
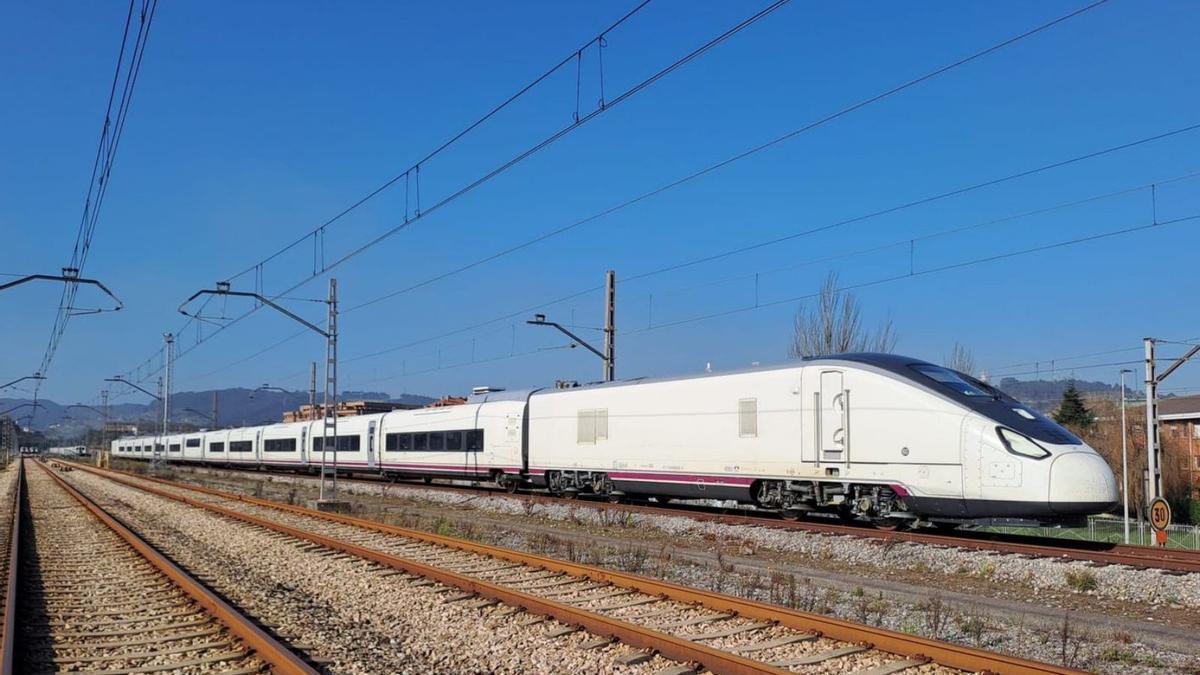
(69, 451)
(881, 437)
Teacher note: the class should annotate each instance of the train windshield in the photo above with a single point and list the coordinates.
(953, 380)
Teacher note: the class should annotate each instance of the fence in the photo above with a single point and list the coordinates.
(1112, 530)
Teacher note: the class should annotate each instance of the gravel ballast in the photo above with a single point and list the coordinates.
(844, 577)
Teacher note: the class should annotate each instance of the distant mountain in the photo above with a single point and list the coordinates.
(233, 407)
(1045, 395)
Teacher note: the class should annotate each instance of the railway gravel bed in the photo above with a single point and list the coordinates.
(1158, 589)
(363, 618)
(726, 630)
(966, 598)
(89, 602)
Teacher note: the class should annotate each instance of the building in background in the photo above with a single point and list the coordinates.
(1179, 425)
(346, 409)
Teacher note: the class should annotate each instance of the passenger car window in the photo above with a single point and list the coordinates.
(454, 440)
(475, 440)
(437, 441)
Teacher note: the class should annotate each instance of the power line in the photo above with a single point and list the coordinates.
(877, 282)
(111, 132)
(908, 243)
(925, 272)
(415, 167)
(752, 151)
(317, 235)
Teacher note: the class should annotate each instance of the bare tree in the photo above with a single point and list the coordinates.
(833, 325)
(961, 359)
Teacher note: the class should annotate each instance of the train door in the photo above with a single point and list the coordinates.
(833, 420)
(972, 458)
(371, 444)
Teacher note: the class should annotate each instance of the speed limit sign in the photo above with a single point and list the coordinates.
(1160, 514)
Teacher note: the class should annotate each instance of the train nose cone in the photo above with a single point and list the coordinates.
(1081, 482)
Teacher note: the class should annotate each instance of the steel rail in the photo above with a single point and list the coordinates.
(1144, 557)
(943, 653)
(282, 660)
(10, 589)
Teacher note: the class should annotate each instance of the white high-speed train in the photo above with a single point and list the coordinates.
(879, 437)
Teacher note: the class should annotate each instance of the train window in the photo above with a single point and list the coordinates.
(193, 442)
(216, 447)
(475, 440)
(398, 442)
(420, 441)
(279, 445)
(953, 380)
(437, 441)
(748, 417)
(1019, 444)
(174, 448)
(338, 444)
(241, 446)
(454, 440)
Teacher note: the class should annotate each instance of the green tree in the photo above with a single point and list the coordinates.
(1072, 411)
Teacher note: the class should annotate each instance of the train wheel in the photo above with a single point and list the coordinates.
(427, 480)
(889, 524)
(790, 514)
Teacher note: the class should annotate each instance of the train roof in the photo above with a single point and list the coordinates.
(895, 363)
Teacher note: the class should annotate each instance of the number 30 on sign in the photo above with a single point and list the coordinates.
(1160, 519)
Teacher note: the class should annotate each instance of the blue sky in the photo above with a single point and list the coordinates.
(253, 123)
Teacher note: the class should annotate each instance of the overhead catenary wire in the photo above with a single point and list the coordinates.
(1081, 10)
(112, 130)
(807, 127)
(902, 242)
(508, 164)
(877, 282)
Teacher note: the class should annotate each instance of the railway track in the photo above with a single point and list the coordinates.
(10, 515)
(722, 634)
(94, 597)
(1177, 561)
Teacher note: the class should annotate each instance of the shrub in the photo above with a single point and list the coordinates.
(1082, 580)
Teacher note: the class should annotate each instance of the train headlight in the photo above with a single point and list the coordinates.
(1020, 444)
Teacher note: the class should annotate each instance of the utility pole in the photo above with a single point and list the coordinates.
(1153, 475)
(102, 456)
(330, 426)
(1124, 457)
(216, 409)
(610, 325)
(608, 356)
(312, 393)
(1154, 485)
(328, 498)
(158, 445)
